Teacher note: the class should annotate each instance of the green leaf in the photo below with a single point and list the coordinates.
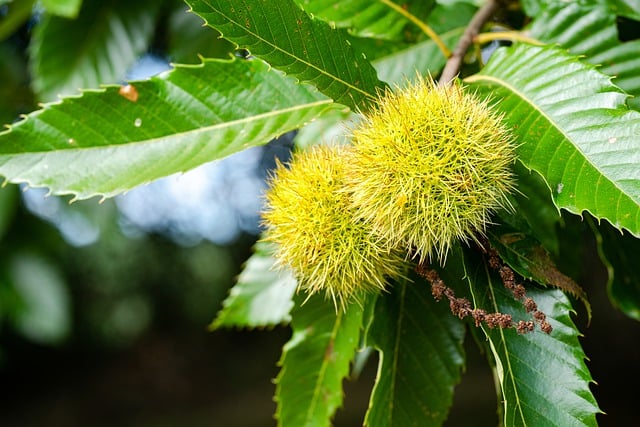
(532, 7)
(367, 18)
(315, 361)
(591, 31)
(16, 14)
(263, 295)
(331, 128)
(543, 378)
(583, 141)
(65, 8)
(45, 314)
(628, 8)
(583, 29)
(535, 212)
(189, 40)
(287, 38)
(619, 253)
(421, 357)
(8, 207)
(526, 240)
(396, 67)
(96, 48)
(528, 258)
(425, 57)
(15, 95)
(105, 142)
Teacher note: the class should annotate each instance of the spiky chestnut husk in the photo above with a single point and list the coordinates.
(307, 217)
(428, 166)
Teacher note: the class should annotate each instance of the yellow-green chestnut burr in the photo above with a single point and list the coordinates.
(428, 167)
(308, 219)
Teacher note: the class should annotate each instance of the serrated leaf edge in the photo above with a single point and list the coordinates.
(297, 339)
(76, 195)
(368, 95)
(479, 77)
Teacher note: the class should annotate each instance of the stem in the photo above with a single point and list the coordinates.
(423, 26)
(505, 35)
(454, 62)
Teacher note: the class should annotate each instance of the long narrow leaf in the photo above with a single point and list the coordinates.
(282, 34)
(537, 213)
(627, 8)
(110, 140)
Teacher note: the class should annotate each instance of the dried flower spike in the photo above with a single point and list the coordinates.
(428, 167)
(307, 218)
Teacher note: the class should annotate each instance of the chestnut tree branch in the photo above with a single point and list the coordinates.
(454, 62)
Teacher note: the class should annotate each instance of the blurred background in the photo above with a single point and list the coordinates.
(104, 307)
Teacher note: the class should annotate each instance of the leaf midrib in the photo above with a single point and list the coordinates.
(276, 47)
(396, 352)
(309, 418)
(521, 95)
(503, 344)
(195, 131)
